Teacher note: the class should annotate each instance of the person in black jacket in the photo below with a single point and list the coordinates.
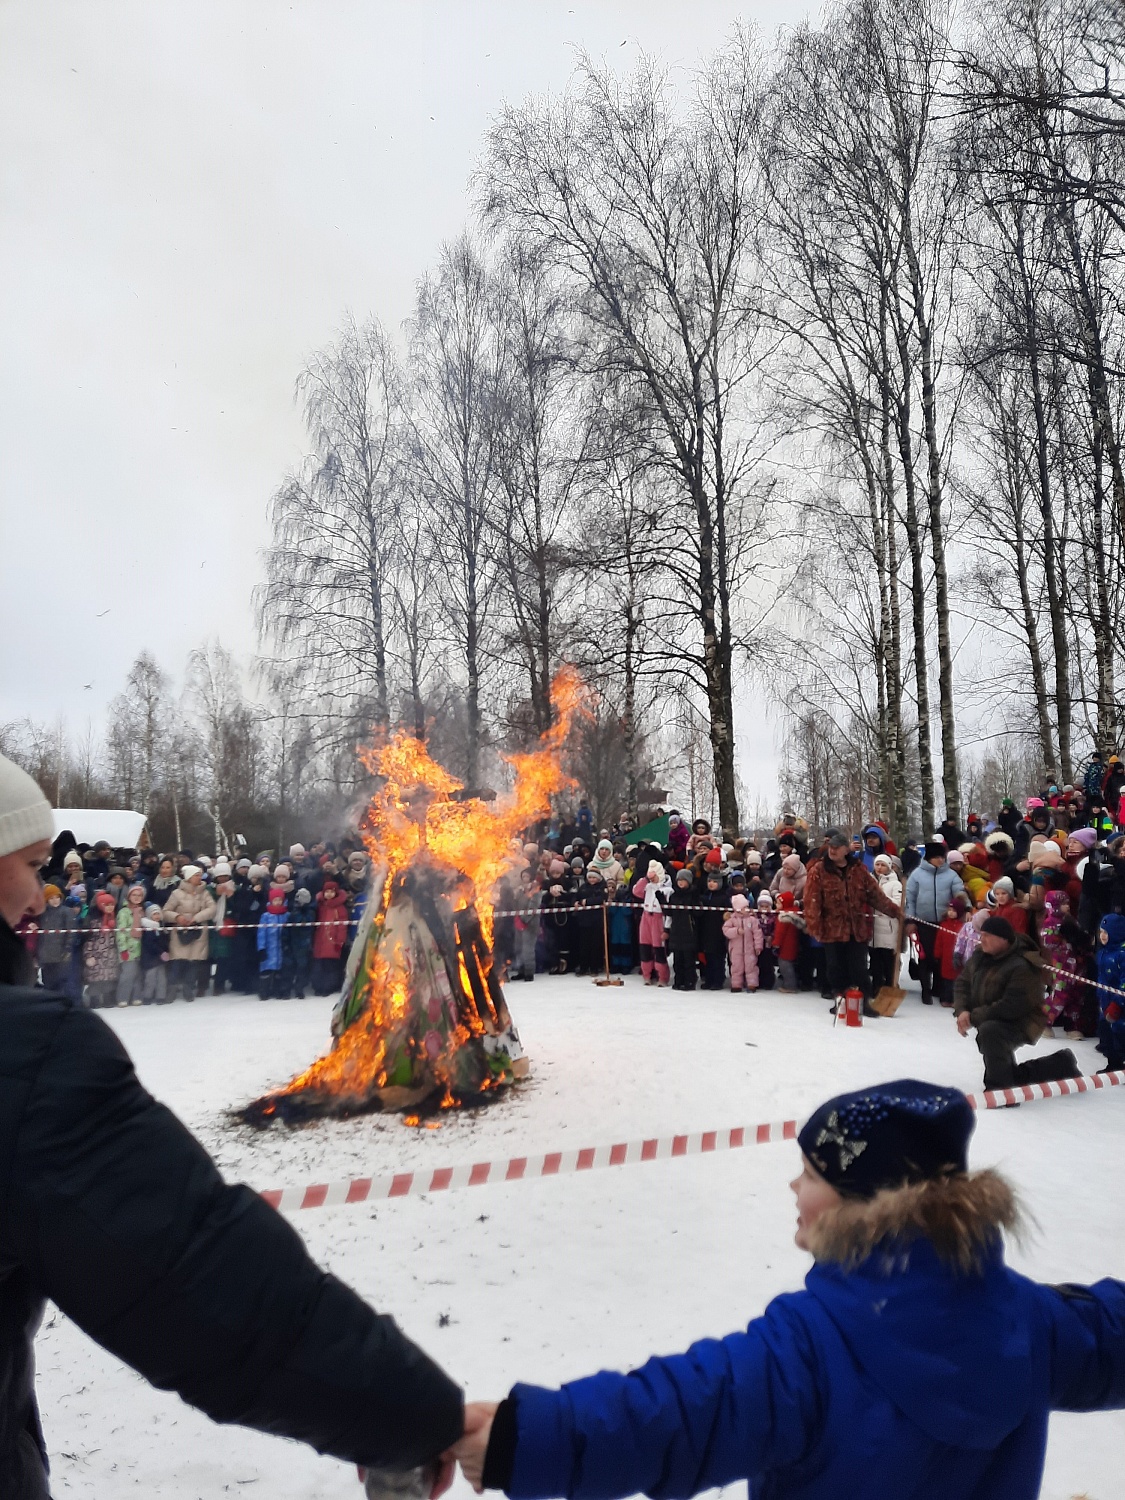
(709, 926)
(683, 939)
(109, 1207)
(590, 920)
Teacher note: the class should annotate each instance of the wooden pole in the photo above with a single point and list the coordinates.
(614, 979)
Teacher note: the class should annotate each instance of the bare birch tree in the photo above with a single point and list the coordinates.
(325, 598)
(650, 218)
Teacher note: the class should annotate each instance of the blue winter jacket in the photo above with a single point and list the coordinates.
(929, 892)
(1111, 972)
(899, 1380)
(270, 925)
(870, 856)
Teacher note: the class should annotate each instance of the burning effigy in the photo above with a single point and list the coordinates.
(422, 1023)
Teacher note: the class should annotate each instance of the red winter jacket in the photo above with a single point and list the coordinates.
(944, 943)
(333, 911)
(787, 936)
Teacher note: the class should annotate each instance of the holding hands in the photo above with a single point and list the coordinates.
(470, 1451)
(431, 1481)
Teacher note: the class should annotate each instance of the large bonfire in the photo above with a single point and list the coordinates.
(422, 1021)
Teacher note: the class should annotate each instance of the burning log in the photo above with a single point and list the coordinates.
(422, 1022)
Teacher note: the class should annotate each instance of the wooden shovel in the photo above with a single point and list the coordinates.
(891, 996)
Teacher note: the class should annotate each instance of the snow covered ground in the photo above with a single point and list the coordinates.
(546, 1280)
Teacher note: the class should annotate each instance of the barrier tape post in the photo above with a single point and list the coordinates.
(623, 1153)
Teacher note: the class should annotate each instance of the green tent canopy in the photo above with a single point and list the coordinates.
(655, 832)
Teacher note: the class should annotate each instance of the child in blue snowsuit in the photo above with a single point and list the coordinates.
(914, 1366)
(1111, 1007)
(272, 966)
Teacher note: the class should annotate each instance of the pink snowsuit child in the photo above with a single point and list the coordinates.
(653, 891)
(743, 933)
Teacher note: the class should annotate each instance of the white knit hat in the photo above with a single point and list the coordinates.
(188, 871)
(25, 814)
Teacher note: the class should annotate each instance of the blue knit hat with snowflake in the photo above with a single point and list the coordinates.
(888, 1135)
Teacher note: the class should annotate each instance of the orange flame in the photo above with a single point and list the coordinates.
(409, 819)
(412, 813)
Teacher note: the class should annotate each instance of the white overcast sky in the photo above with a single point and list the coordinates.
(193, 193)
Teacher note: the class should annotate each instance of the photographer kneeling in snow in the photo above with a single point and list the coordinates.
(914, 1363)
(109, 1207)
(1001, 992)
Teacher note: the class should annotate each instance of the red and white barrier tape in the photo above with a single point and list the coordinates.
(1094, 984)
(625, 1153)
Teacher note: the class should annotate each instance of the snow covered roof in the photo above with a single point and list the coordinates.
(118, 827)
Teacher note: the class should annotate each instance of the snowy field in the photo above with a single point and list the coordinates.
(546, 1280)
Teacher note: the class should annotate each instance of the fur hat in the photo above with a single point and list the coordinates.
(935, 849)
(888, 1136)
(961, 1215)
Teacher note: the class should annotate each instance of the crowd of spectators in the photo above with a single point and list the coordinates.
(697, 907)
(128, 927)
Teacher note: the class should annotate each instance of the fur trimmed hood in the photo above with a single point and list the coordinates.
(999, 844)
(962, 1215)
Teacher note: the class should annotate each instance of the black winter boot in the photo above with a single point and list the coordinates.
(1049, 1069)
